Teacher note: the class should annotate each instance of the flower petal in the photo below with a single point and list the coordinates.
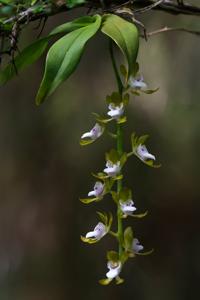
(143, 153)
(86, 135)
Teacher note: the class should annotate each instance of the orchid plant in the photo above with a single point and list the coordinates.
(110, 180)
(62, 59)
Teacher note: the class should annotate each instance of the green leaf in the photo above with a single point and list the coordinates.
(110, 220)
(122, 120)
(150, 91)
(115, 98)
(124, 256)
(135, 69)
(135, 142)
(103, 216)
(34, 51)
(135, 92)
(113, 156)
(108, 184)
(128, 239)
(125, 35)
(118, 177)
(125, 194)
(123, 159)
(103, 176)
(100, 176)
(119, 280)
(126, 98)
(73, 3)
(27, 57)
(123, 70)
(89, 200)
(114, 196)
(106, 219)
(85, 142)
(89, 240)
(142, 139)
(73, 25)
(145, 253)
(112, 135)
(112, 256)
(63, 58)
(151, 164)
(102, 119)
(142, 215)
(105, 281)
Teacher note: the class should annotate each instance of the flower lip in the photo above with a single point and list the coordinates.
(143, 153)
(94, 133)
(136, 246)
(127, 207)
(98, 189)
(114, 269)
(115, 111)
(112, 169)
(137, 83)
(98, 232)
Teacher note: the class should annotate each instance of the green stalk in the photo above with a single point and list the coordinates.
(119, 149)
(118, 79)
(119, 187)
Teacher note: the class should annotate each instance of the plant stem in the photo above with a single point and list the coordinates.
(119, 187)
(118, 79)
(119, 149)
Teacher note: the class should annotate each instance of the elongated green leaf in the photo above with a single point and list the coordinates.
(63, 57)
(34, 51)
(73, 25)
(125, 35)
(27, 57)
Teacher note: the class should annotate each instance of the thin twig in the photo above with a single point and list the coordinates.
(167, 29)
(149, 7)
(43, 25)
(138, 6)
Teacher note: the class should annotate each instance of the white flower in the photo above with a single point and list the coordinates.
(137, 83)
(112, 169)
(136, 246)
(143, 153)
(127, 207)
(94, 133)
(98, 189)
(116, 111)
(99, 231)
(114, 269)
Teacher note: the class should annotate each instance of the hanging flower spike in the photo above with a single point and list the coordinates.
(143, 153)
(127, 207)
(137, 83)
(92, 135)
(116, 111)
(112, 169)
(114, 269)
(98, 190)
(94, 236)
(136, 246)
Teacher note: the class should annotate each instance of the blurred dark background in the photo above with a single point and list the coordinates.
(44, 171)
